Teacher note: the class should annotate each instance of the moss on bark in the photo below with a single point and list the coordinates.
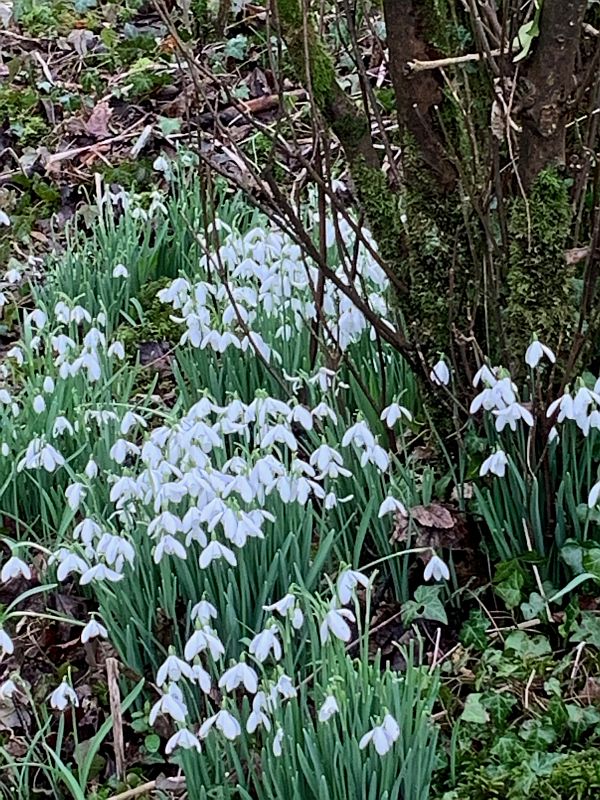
(540, 289)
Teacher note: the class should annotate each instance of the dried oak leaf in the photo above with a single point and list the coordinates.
(97, 124)
(435, 525)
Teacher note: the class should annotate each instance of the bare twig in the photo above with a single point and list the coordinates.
(112, 675)
(440, 63)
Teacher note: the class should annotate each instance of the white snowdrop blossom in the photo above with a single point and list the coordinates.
(511, 415)
(184, 739)
(172, 669)
(536, 351)
(335, 623)
(120, 271)
(328, 709)
(237, 674)
(63, 696)
(594, 495)
(391, 506)
(286, 688)
(382, 736)
(8, 689)
(203, 612)
(394, 412)
(171, 703)
(287, 607)
(39, 404)
(265, 642)
(6, 643)
(258, 715)
(436, 569)
(347, 582)
(277, 742)
(92, 630)
(496, 464)
(223, 721)
(440, 374)
(216, 550)
(75, 493)
(15, 568)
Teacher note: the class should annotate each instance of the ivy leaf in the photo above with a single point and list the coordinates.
(509, 582)
(534, 607)
(426, 605)
(588, 630)
(526, 34)
(591, 561)
(474, 710)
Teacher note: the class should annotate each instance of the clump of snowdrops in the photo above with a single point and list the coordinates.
(249, 519)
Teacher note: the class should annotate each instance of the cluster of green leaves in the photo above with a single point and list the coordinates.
(524, 715)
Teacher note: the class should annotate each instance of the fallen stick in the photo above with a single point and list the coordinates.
(164, 784)
(114, 694)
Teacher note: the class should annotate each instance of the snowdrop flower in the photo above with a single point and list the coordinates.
(511, 415)
(347, 582)
(6, 643)
(360, 435)
(225, 722)
(183, 738)
(594, 495)
(257, 716)
(324, 377)
(265, 641)
(382, 736)
(486, 375)
(120, 271)
(287, 607)
(14, 568)
(440, 374)
(203, 612)
(7, 689)
(37, 319)
(171, 703)
(4, 218)
(75, 494)
(335, 623)
(61, 425)
(48, 385)
(391, 505)
(436, 569)
(328, 709)
(277, 742)
(62, 696)
(201, 677)
(39, 454)
(12, 276)
(214, 551)
(92, 630)
(91, 469)
(100, 572)
(393, 413)
(239, 673)
(496, 464)
(169, 545)
(534, 354)
(117, 350)
(39, 404)
(70, 563)
(172, 669)
(204, 639)
(286, 688)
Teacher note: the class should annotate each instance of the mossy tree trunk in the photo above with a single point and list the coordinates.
(489, 152)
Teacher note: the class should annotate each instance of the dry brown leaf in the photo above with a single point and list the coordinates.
(432, 516)
(97, 124)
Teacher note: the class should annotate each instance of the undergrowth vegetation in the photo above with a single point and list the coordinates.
(311, 591)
